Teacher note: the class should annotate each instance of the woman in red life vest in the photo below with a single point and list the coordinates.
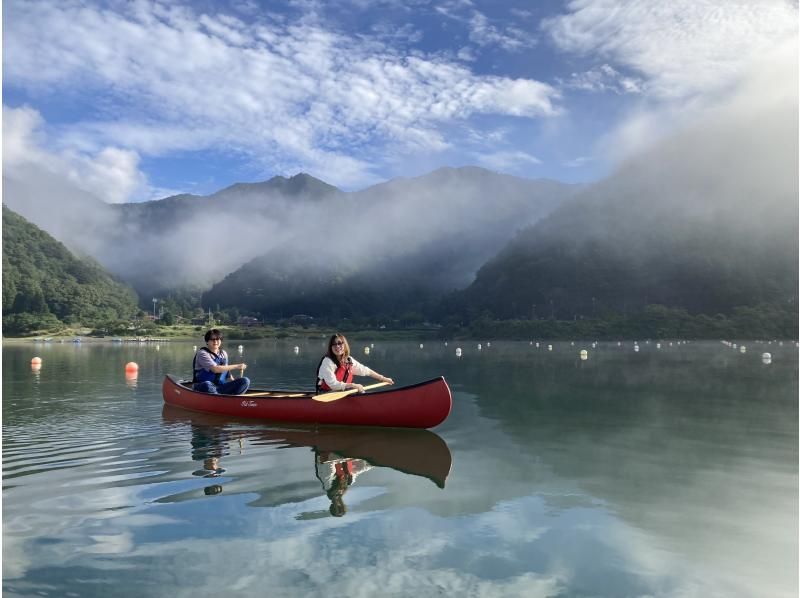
(337, 368)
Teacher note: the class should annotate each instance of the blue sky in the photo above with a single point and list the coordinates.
(142, 99)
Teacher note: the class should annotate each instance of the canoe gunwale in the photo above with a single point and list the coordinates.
(186, 385)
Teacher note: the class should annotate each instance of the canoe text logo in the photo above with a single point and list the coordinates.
(248, 403)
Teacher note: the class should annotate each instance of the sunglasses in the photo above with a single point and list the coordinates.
(337, 344)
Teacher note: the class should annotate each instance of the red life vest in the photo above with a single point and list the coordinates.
(344, 473)
(343, 373)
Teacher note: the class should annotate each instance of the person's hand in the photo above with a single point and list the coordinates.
(387, 380)
(241, 366)
(359, 388)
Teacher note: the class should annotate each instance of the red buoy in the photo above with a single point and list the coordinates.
(131, 366)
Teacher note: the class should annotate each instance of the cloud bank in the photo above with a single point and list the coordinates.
(167, 78)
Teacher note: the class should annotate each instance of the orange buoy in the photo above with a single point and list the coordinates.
(36, 361)
(131, 366)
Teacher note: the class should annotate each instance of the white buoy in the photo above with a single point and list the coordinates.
(658, 345)
(421, 346)
(584, 354)
(372, 345)
(488, 344)
(733, 345)
(766, 356)
(458, 352)
(479, 347)
(572, 344)
(636, 348)
(594, 345)
(742, 349)
(445, 343)
(366, 350)
(194, 348)
(297, 350)
(158, 348)
(619, 344)
(549, 347)
(537, 345)
(241, 348)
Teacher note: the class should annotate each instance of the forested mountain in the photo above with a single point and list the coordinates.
(705, 222)
(392, 248)
(44, 285)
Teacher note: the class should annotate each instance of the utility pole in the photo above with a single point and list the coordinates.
(154, 308)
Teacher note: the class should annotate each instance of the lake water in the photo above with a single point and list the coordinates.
(670, 471)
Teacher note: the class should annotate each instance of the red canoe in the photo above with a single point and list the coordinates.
(422, 405)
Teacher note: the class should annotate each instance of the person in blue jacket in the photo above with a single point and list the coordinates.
(212, 372)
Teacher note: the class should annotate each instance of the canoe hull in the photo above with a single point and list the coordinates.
(422, 405)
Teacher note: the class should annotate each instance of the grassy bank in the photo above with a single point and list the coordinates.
(230, 332)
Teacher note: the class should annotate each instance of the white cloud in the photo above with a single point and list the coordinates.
(483, 32)
(769, 120)
(111, 174)
(602, 79)
(578, 162)
(681, 47)
(296, 94)
(507, 161)
(511, 39)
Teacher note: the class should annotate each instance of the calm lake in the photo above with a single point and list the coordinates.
(668, 471)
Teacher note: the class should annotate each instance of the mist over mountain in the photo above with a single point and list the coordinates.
(706, 221)
(448, 222)
(391, 247)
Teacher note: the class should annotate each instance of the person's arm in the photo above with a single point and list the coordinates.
(205, 361)
(359, 369)
(218, 369)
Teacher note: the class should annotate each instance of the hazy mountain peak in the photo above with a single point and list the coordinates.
(299, 184)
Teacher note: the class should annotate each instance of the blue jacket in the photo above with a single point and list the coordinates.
(204, 375)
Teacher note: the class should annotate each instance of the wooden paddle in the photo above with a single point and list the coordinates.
(335, 396)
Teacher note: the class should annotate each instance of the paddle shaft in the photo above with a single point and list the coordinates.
(335, 396)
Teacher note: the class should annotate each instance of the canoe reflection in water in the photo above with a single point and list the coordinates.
(341, 453)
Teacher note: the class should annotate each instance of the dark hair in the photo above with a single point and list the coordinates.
(213, 333)
(345, 353)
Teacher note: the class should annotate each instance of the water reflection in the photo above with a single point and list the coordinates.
(340, 454)
(337, 474)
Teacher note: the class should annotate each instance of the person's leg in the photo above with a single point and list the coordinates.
(235, 387)
(206, 387)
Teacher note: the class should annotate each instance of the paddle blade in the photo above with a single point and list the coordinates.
(335, 396)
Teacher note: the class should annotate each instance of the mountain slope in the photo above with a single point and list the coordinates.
(706, 221)
(44, 282)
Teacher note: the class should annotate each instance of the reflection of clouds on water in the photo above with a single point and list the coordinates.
(522, 547)
(519, 547)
